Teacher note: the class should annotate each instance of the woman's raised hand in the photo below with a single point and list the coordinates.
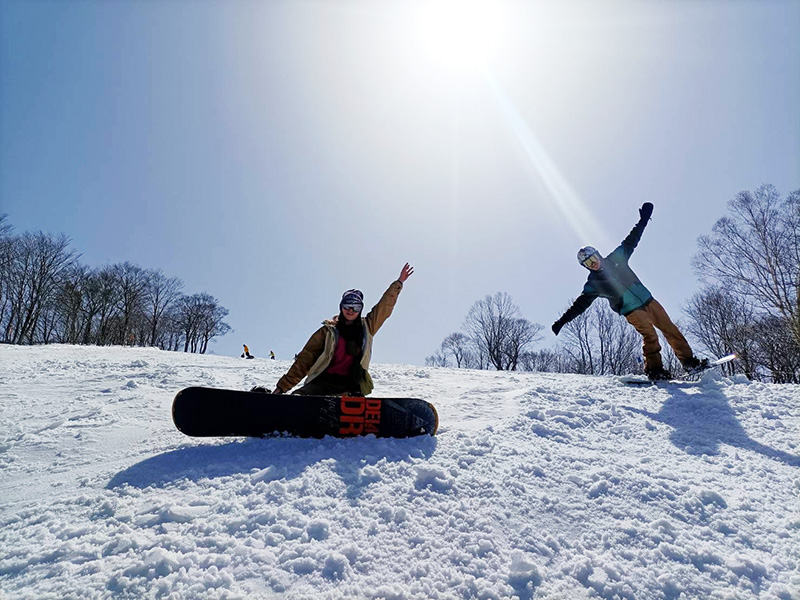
(406, 272)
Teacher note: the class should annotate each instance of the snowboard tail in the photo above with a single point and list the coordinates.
(210, 412)
(695, 373)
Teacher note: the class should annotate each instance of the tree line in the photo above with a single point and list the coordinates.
(748, 304)
(48, 296)
(749, 266)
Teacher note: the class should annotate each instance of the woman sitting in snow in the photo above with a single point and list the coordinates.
(335, 359)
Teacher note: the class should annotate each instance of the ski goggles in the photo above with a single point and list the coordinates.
(352, 307)
(590, 261)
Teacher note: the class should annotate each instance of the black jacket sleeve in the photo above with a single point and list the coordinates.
(629, 243)
(581, 303)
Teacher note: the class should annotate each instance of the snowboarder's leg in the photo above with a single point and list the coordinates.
(651, 348)
(672, 334)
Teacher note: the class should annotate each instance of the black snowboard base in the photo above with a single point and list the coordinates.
(210, 412)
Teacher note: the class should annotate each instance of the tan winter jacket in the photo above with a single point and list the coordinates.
(317, 354)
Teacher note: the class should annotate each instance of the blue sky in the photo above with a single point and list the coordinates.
(275, 154)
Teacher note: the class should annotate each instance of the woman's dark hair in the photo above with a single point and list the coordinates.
(352, 333)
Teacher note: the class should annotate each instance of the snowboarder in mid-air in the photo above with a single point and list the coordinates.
(335, 359)
(610, 277)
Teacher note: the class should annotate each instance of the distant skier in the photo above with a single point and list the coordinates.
(246, 353)
(613, 279)
(271, 355)
(335, 359)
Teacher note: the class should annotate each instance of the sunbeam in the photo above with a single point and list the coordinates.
(564, 198)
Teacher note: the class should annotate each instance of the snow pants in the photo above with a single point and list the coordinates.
(645, 320)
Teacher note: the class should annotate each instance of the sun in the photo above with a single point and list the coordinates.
(461, 33)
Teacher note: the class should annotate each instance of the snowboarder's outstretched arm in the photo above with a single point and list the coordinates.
(629, 243)
(581, 303)
(383, 309)
(303, 362)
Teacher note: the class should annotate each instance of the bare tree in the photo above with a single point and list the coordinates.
(724, 324)
(579, 342)
(211, 323)
(437, 359)
(199, 318)
(751, 266)
(46, 295)
(755, 252)
(171, 336)
(459, 346)
(544, 361)
(498, 331)
(521, 334)
(189, 320)
(131, 281)
(102, 299)
(600, 342)
(38, 263)
(6, 261)
(161, 293)
(68, 306)
(6, 245)
(778, 353)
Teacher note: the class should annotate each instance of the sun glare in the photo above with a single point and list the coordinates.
(461, 34)
(565, 199)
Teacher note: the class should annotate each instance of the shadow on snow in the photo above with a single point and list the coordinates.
(701, 422)
(288, 457)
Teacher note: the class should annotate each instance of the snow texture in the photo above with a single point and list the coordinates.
(537, 486)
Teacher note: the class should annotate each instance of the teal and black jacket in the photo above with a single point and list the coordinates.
(615, 281)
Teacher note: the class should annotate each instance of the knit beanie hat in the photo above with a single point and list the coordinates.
(352, 297)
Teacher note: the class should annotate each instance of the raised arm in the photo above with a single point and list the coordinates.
(406, 272)
(629, 243)
(581, 303)
(383, 309)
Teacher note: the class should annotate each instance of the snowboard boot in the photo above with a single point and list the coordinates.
(658, 374)
(695, 365)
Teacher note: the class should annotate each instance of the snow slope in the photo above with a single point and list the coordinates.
(537, 486)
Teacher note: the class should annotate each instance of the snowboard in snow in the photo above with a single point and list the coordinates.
(692, 375)
(208, 412)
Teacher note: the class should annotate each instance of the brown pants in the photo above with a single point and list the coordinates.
(646, 320)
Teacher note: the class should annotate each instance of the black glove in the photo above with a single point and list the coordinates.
(556, 327)
(646, 211)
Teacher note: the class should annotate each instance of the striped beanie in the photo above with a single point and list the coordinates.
(352, 297)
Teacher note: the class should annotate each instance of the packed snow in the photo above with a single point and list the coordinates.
(536, 486)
